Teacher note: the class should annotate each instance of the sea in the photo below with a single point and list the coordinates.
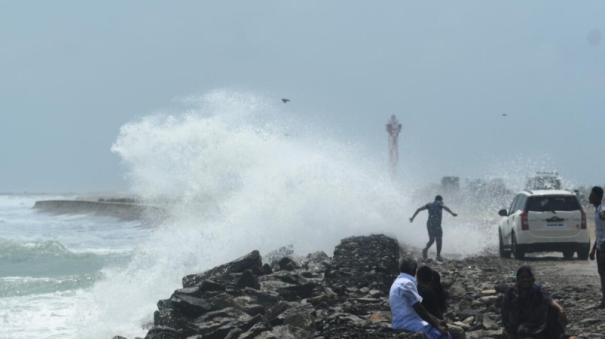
(49, 264)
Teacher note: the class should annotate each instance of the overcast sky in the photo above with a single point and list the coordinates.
(73, 72)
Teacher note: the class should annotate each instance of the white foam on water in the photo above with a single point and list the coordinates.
(40, 315)
(49, 262)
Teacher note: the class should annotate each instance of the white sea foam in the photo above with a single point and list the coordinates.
(48, 264)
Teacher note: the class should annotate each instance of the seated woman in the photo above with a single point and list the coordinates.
(529, 312)
(434, 298)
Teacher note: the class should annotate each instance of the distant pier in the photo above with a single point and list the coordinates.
(125, 210)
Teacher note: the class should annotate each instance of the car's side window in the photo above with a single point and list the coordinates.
(521, 202)
(518, 204)
(512, 210)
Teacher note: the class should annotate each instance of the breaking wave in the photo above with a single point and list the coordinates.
(45, 258)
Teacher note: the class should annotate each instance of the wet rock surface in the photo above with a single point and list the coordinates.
(369, 262)
(346, 296)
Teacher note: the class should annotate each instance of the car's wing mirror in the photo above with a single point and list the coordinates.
(502, 213)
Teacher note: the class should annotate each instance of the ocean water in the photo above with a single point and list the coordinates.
(235, 174)
(48, 264)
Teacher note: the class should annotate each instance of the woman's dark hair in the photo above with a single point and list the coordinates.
(438, 198)
(408, 265)
(430, 277)
(424, 274)
(525, 269)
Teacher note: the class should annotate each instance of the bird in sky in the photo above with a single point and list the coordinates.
(504, 114)
(285, 100)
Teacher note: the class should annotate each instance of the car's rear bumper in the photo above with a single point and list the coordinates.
(531, 238)
(552, 246)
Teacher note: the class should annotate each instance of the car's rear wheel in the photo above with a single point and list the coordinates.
(517, 252)
(568, 254)
(583, 251)
(503, 252)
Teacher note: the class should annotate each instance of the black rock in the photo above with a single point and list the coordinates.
(272, 314)
(189, 306)
(296, 292)
(162, 332)
(254, 331)
(165, 317)
(251, 261)
(287, 264)
(209, 285)
(365, 261)
(300, 316)
(264, 298)
(266, 269)
(247, 279)
(189, 291)
(218, 324)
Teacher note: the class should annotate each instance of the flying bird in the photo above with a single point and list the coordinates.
(504, 114)
(285, 100)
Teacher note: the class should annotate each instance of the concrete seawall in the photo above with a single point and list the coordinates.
(122, 210)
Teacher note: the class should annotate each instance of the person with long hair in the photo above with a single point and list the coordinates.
(434, 297)
(529, 312)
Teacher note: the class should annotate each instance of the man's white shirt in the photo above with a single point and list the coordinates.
(402, 298)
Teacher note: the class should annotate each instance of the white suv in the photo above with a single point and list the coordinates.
(544, 220)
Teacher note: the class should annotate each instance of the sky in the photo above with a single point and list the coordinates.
(73, 72)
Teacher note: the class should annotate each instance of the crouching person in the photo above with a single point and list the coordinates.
(529, 312)
(434, 298)
(406, 305)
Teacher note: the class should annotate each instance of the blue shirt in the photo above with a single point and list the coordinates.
(435, 210)
(599, 225)
(402, 298)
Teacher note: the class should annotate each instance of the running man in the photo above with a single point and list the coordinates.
(433, 224)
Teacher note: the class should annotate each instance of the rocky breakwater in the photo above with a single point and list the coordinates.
(345, 296)
(312, 297)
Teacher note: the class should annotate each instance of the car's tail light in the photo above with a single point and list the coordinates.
(524, 221)
(583, 223)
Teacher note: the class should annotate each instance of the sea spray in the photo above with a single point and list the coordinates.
(240, 173)
(237, 178)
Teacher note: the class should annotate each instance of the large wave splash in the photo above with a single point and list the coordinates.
(237, 174)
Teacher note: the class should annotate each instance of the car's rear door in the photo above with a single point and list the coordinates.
(554, 215)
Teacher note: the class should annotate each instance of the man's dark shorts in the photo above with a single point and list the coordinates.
(435, 231)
